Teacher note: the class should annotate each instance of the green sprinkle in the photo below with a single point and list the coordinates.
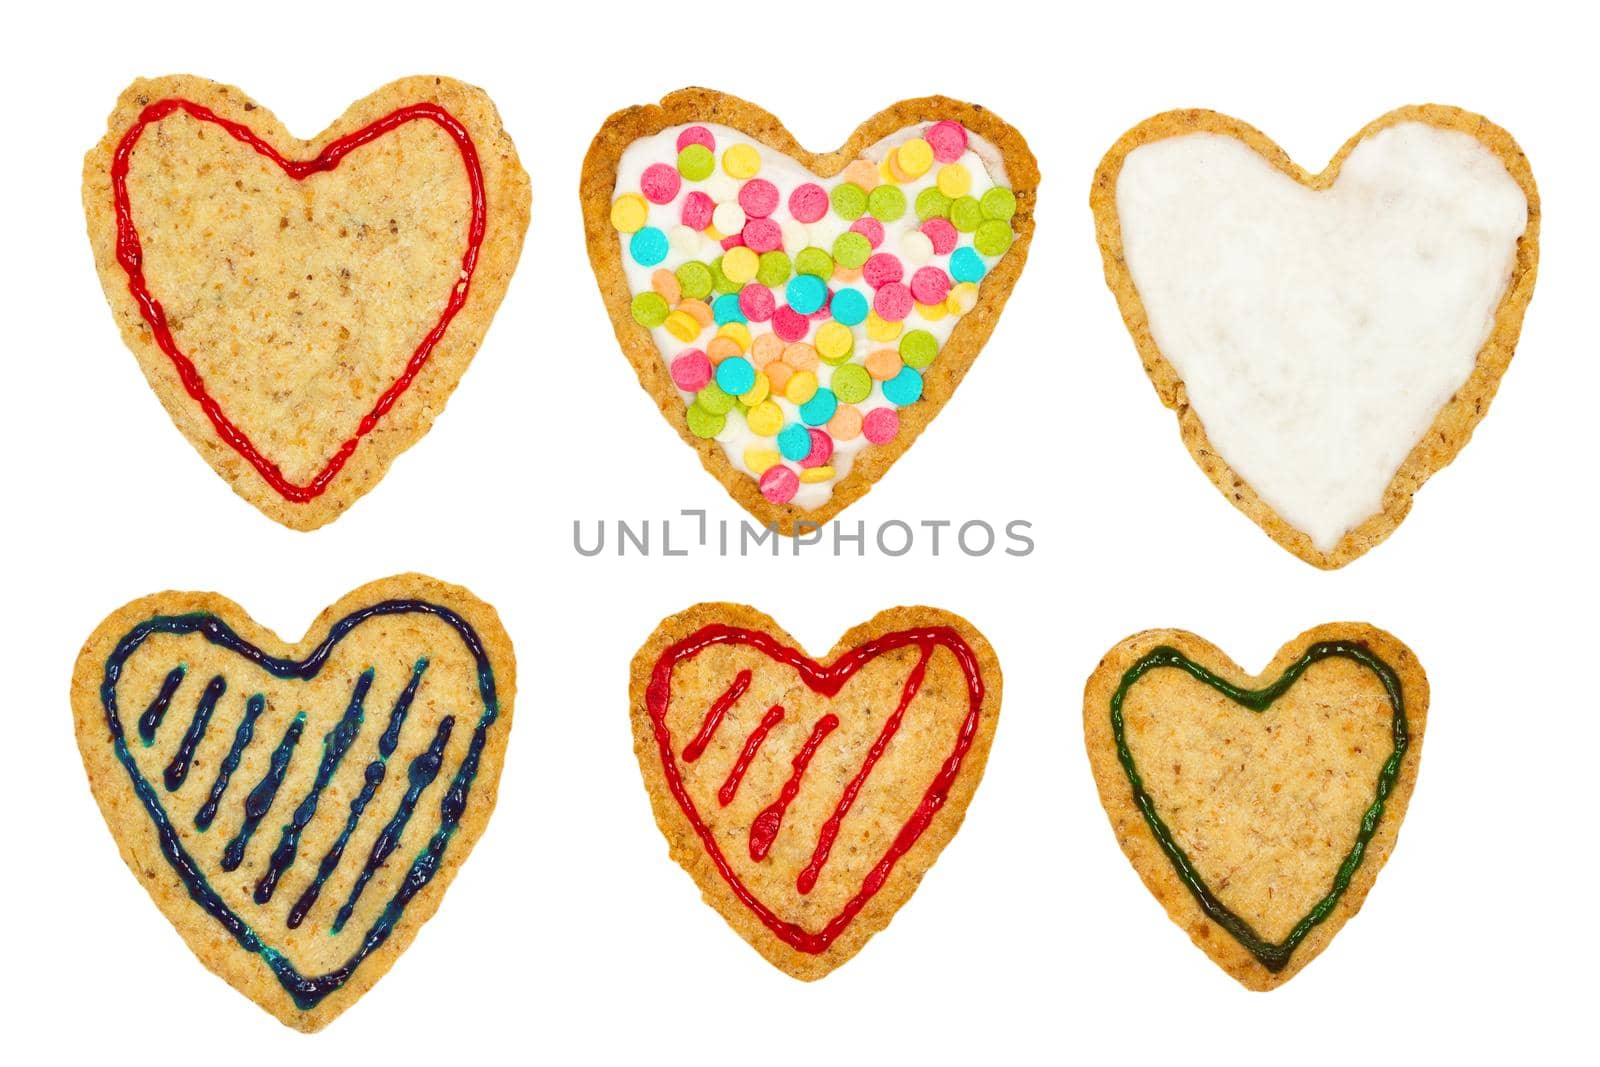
(851, 383)
(695, 279)
(714, 400)
(696, 162)
(966, 214)
(650, 309)
(851, 249)
(703, 423)
(993, 237)
(849, 201)
(931, 203)
(719, 280)
(774, 269)
(917, 348)
(886, 203)
(998, 203)
(814, 260)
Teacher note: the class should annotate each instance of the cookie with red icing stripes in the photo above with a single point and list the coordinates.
(808, 797)
(303, 309)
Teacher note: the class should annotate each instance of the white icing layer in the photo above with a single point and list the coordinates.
(1319, 333)
(982, 160)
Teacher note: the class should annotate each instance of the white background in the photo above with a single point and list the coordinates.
(570, 934)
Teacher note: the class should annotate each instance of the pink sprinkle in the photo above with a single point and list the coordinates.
(826, 310)
(699, 135)
(881, 269)
(942, 233)
(870, 228)
(660, 183)
(880, 425)
(808, 202)
(821, 449)
(947, 139)
(892, 302)
(779, 483)
(691, 371)
(763, 235)
(756, 301)
(789, 324)
(930, 286)
(759, 198)
(697, 209)
(733, 240)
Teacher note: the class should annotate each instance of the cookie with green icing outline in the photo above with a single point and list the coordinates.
(1257, 809)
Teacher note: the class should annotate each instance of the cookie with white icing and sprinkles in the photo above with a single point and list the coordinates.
(297, 811)
(1328, 341)
(800, 317)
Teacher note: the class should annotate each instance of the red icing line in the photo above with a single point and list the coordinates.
(719, 707)
(830, 829)
(130, 255)
(752, 745)
(827, 681)
(764, 830)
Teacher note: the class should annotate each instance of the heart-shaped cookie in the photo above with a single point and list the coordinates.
(800, 317)
(1328, 341)
(1258, 810)
(304, 308)
(297, 812)
(807, 799)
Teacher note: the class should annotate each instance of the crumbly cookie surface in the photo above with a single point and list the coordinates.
(856, 387)
(1242, 801)
(799, 793)
(297, 811)
(326, 314)
(1324, 312)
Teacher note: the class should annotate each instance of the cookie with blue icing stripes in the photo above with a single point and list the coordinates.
(297, 810)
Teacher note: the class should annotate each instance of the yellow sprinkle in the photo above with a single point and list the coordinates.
(933, 312)
(966, 297)
(682, 325)
(741, 161)
(738, 333)
(885, 174)
(816, 474)
(834, 342)
(714, 233)
(758, 392)
(740, 264)
(765, 418)
(954, 180)
(915, 157)
(628, 213)
(759, 459)
(879, 330)
(802, 387)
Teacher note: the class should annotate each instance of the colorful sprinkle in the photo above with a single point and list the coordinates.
(819, 409)
(660, 183)
(794, 441)
(694, 279)
(967, 266)
(695, 162)
(966, 213)
(765, 418)
(802, 386)
(880, 425)
(629, 212)
(806, 293)
(886, 203)
(650, 310)
(941, 233)
(845, 424)
(904, 388)
(851, 383)
(760, 459)
(929, 285)
(835, 342)
(706, 423)
(849, 306)
(808, 202)
(741, 161)
(649, 246)
(696, 135)
(999, 203)
(884, 363)
(892, 302)
(736, 376)
(779, 484)
(759, 198)
(947, 139)
(821, 449)
(757, 302)
(715, 399)
(992, 239)
(849, 201)
(814, 261)
(917, 349)
(691, 371)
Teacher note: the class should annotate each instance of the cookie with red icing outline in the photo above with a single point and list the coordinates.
(303, 309)
(808, 797)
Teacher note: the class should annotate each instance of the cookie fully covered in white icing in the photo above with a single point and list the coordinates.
(1329, 341)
